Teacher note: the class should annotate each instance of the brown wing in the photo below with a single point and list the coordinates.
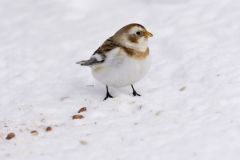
(107, 46)
(99, 55)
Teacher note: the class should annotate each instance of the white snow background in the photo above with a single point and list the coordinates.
(190, 108)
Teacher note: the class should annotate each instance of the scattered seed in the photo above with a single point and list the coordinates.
(77, 117)
(83, 142)
(10, 136)
(182, 89)
(158, 113)
(64, 98)
(83, 109)
(48, 129)
(34, 132)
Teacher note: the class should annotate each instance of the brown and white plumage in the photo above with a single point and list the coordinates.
(122, 59)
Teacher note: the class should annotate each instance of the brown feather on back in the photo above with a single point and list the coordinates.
(107, 46)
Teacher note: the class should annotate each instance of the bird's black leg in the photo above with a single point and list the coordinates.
(134, 92)
(108, 95)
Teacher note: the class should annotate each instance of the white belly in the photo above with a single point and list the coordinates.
(121, 70)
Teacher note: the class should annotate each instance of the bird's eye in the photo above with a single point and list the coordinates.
(138, 33)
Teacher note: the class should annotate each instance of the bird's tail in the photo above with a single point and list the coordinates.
(89, 62)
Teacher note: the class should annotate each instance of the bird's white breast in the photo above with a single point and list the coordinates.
(120, 70)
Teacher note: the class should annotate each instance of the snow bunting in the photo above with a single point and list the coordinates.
(122, 59)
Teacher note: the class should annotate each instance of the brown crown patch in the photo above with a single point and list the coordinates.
(128, 27)
(133, 25)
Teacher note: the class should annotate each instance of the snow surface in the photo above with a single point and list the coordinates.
(190, 108)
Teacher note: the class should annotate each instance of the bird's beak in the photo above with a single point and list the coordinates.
(148, 34)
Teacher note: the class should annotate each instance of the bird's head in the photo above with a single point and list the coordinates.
(133, 36)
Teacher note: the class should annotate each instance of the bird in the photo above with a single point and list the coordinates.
(122, 59)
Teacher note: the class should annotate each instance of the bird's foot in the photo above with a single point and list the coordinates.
(134, 91)
(136, 94)
(108, 96)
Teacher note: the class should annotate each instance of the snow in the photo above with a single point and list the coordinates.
(190, 106)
